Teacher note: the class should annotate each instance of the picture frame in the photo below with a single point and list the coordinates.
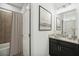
(59, 24)
(45, 19)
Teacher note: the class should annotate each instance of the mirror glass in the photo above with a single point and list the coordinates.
(5, 31)
(69, 24)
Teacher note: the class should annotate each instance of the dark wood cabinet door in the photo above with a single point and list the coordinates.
(54, 48)
(66, 51)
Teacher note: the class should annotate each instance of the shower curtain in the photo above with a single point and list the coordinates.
(16, 47)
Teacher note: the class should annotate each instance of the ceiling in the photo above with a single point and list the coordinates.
(56, 5)
(60, 5)
(18, 5)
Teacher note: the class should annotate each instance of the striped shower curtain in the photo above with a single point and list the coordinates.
(17, 35)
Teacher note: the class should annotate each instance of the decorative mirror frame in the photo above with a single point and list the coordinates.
(44, 26)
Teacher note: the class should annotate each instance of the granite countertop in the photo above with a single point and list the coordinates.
(76, 41)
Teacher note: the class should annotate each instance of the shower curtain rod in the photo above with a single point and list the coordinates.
(9, 10)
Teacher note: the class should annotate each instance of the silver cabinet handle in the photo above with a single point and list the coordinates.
(60, 48)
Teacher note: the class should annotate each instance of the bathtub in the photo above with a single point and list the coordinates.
(4, 49)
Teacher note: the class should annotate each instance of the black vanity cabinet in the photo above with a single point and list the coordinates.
(62, 48)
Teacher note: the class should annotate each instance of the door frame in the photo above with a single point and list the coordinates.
(30, 29)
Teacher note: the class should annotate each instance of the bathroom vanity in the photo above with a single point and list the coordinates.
(64, 41)
(63, 47)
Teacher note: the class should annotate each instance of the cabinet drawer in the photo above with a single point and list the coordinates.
(53, 40)
(67, 44)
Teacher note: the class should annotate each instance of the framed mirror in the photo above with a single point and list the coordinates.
(68, 22)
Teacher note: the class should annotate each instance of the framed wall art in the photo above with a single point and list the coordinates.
(45, 19)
